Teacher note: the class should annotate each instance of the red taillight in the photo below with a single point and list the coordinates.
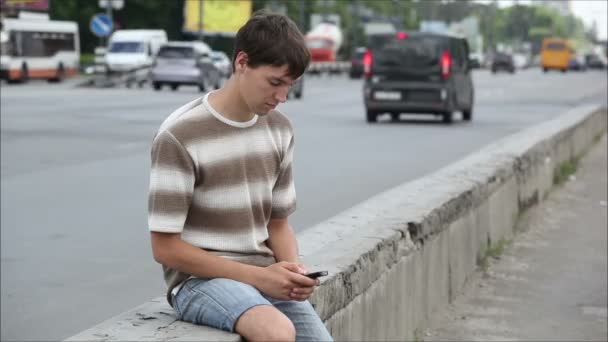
(446, 64)
(401, 35)
(368, 59)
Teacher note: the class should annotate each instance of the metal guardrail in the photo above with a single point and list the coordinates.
(104, 78)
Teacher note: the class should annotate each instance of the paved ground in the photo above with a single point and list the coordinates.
(550, 284)
(75, 165)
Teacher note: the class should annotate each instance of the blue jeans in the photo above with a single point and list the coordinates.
(220, 302)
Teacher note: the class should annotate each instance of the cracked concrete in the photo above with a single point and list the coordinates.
(550, 284)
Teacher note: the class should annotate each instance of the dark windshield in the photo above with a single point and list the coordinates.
(503, 57)
(556, 46)
(126, 47)
(411, 51)
(176, 52)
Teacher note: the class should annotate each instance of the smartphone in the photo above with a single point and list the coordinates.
(315, 275)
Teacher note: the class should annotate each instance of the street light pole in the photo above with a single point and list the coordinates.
(109, 14)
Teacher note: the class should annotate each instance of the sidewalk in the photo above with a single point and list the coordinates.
(551, 283)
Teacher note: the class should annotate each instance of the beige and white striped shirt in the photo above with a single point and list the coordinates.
(218, 182)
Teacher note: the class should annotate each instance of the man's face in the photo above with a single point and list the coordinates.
(264, 87)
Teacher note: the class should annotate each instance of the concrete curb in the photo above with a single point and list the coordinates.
(399, 256)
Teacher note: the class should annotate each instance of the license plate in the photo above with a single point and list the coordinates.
(387, 95)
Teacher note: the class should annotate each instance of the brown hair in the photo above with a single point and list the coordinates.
(272, 39)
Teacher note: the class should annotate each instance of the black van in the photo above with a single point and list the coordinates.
(417, 72)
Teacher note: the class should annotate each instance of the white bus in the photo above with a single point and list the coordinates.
(36, 47)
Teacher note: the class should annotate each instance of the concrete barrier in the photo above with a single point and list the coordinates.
(401, 255)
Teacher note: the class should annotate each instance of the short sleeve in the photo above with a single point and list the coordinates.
(172, 179)
(284, 192)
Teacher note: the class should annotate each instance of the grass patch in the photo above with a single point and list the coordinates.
(418, 335)
(495, 252)
(565, 170)
(598, 137)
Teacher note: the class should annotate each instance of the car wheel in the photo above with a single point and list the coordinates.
(563, 71)
(493, 71)
(59, 76)
(174, 86)
(25, 74)
(371, 116)
(157, 85)
(448, 117)
(545, 70)
(467, 114)
(395, 116)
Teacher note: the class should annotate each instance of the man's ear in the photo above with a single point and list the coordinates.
(240, 62)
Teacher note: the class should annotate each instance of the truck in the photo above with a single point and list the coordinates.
(323, 42)
(130, 50)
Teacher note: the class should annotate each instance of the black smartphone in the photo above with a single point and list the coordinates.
(315, 275)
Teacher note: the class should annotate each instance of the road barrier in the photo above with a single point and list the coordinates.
(407, 252)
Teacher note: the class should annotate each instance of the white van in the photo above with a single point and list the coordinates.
(133, 49)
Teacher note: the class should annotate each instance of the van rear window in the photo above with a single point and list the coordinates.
(175, 52)
(556, 46)
(411, 51)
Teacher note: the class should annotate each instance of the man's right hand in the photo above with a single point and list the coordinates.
(278, 280)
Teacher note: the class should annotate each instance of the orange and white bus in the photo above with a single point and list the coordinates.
(36, 47)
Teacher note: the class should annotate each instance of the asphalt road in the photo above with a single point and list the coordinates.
(75, 161)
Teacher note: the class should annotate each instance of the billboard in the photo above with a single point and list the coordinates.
(32, 5)
(219, 16)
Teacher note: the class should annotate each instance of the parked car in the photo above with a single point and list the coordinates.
(356, 63)
(417, 72)
(503, 62)
(577, 62)
(180, 63)
(595, 61)
(520, 61)
(222, 62)
(475, 60)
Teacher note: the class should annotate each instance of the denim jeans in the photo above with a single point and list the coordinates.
(220, 302)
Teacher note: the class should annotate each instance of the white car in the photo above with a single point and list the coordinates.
(222, 62)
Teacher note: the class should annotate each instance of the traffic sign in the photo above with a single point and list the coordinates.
(115, 4)
(101, 25)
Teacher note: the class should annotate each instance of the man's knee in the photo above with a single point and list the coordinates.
(282, 332)
(265, 323)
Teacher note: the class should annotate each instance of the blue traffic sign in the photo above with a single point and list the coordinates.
(101, 25)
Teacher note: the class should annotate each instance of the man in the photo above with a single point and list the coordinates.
(221, 191)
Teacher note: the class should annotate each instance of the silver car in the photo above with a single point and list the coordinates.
(187, 63)
(222, 62)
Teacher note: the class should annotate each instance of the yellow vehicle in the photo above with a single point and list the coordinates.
(555, 53)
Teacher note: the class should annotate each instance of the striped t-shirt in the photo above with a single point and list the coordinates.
(218, 182)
